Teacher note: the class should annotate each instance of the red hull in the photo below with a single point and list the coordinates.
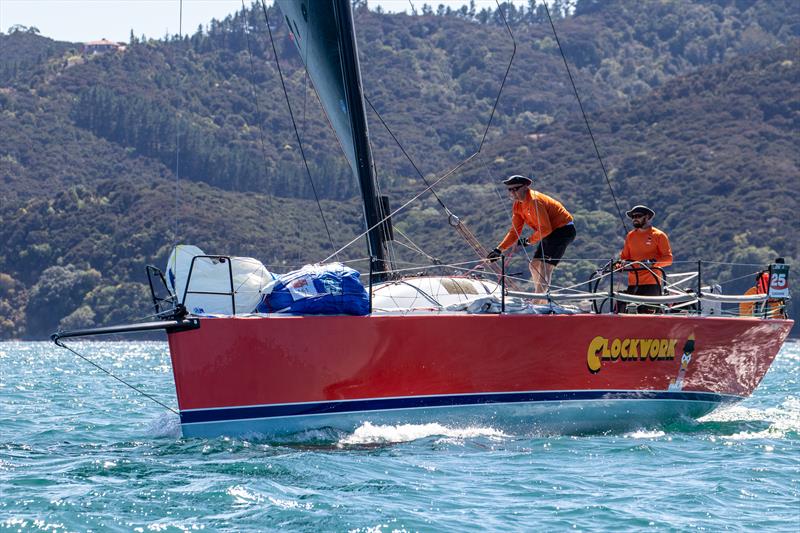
(239, 362)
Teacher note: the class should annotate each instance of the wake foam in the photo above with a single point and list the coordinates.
(645, 434)
(165, 425)
(782, 420)
(368, 433)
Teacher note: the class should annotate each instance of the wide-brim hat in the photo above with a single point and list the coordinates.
(516, 180)
(640, 210)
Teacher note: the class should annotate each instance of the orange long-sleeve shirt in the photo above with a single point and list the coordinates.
(541, 213)
(652, 244)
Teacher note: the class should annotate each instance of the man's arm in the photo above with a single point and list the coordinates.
(625, 254)
(664, 258)
(513, 235)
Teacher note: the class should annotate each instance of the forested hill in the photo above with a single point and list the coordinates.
(694, 106)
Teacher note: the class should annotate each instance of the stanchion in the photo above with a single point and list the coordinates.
(611, 301)
(769, 284)
(371, 262)
(700, 287)
(502, 284)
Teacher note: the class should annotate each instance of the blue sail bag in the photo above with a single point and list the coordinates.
(331, 289)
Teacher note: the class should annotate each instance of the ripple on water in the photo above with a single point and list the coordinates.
(78, 451)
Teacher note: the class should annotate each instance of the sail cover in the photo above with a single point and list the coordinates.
(324, 35)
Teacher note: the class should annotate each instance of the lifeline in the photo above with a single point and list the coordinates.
(628, 350)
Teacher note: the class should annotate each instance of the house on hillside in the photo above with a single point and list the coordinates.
(102, 46)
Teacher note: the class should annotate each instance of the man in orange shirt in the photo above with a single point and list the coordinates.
(646, 248)
(552, 226)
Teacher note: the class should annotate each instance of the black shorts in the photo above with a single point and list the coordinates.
(552, 247)
(645, 290)
(641, 290)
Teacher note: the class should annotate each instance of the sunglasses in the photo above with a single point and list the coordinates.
(638, 215)
(515, 189)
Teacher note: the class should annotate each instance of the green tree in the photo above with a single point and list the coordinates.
(58, 292)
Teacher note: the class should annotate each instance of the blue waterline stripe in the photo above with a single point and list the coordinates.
(416, 402)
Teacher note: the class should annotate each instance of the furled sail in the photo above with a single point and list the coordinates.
(324, 35)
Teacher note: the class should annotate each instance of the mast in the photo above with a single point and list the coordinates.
(363, 167)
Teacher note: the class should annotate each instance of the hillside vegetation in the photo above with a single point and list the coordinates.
(108, 160)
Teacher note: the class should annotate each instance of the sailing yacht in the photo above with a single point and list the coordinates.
(452, 350)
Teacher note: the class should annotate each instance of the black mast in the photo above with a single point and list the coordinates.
(354, 95)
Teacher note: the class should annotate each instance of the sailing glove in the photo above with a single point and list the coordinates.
(523, 241)
(494, 254)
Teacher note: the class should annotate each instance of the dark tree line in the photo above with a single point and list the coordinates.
(153, 131)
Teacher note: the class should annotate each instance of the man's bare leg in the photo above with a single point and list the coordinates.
(541, 273)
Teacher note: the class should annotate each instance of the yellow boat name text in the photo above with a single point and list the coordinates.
(602, 349)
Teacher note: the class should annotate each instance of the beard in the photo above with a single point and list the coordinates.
(638, 223)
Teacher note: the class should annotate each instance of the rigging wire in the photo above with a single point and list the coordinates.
(296, 132)
(585, 119)
(405, 205)
(415, 247)
(453, 220)
(505, 76)
(60, 343)
(402, 149)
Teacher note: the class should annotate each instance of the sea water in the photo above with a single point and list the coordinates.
(80, 451)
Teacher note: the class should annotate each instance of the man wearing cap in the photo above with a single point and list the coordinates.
(647, 247)
(552, 226)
